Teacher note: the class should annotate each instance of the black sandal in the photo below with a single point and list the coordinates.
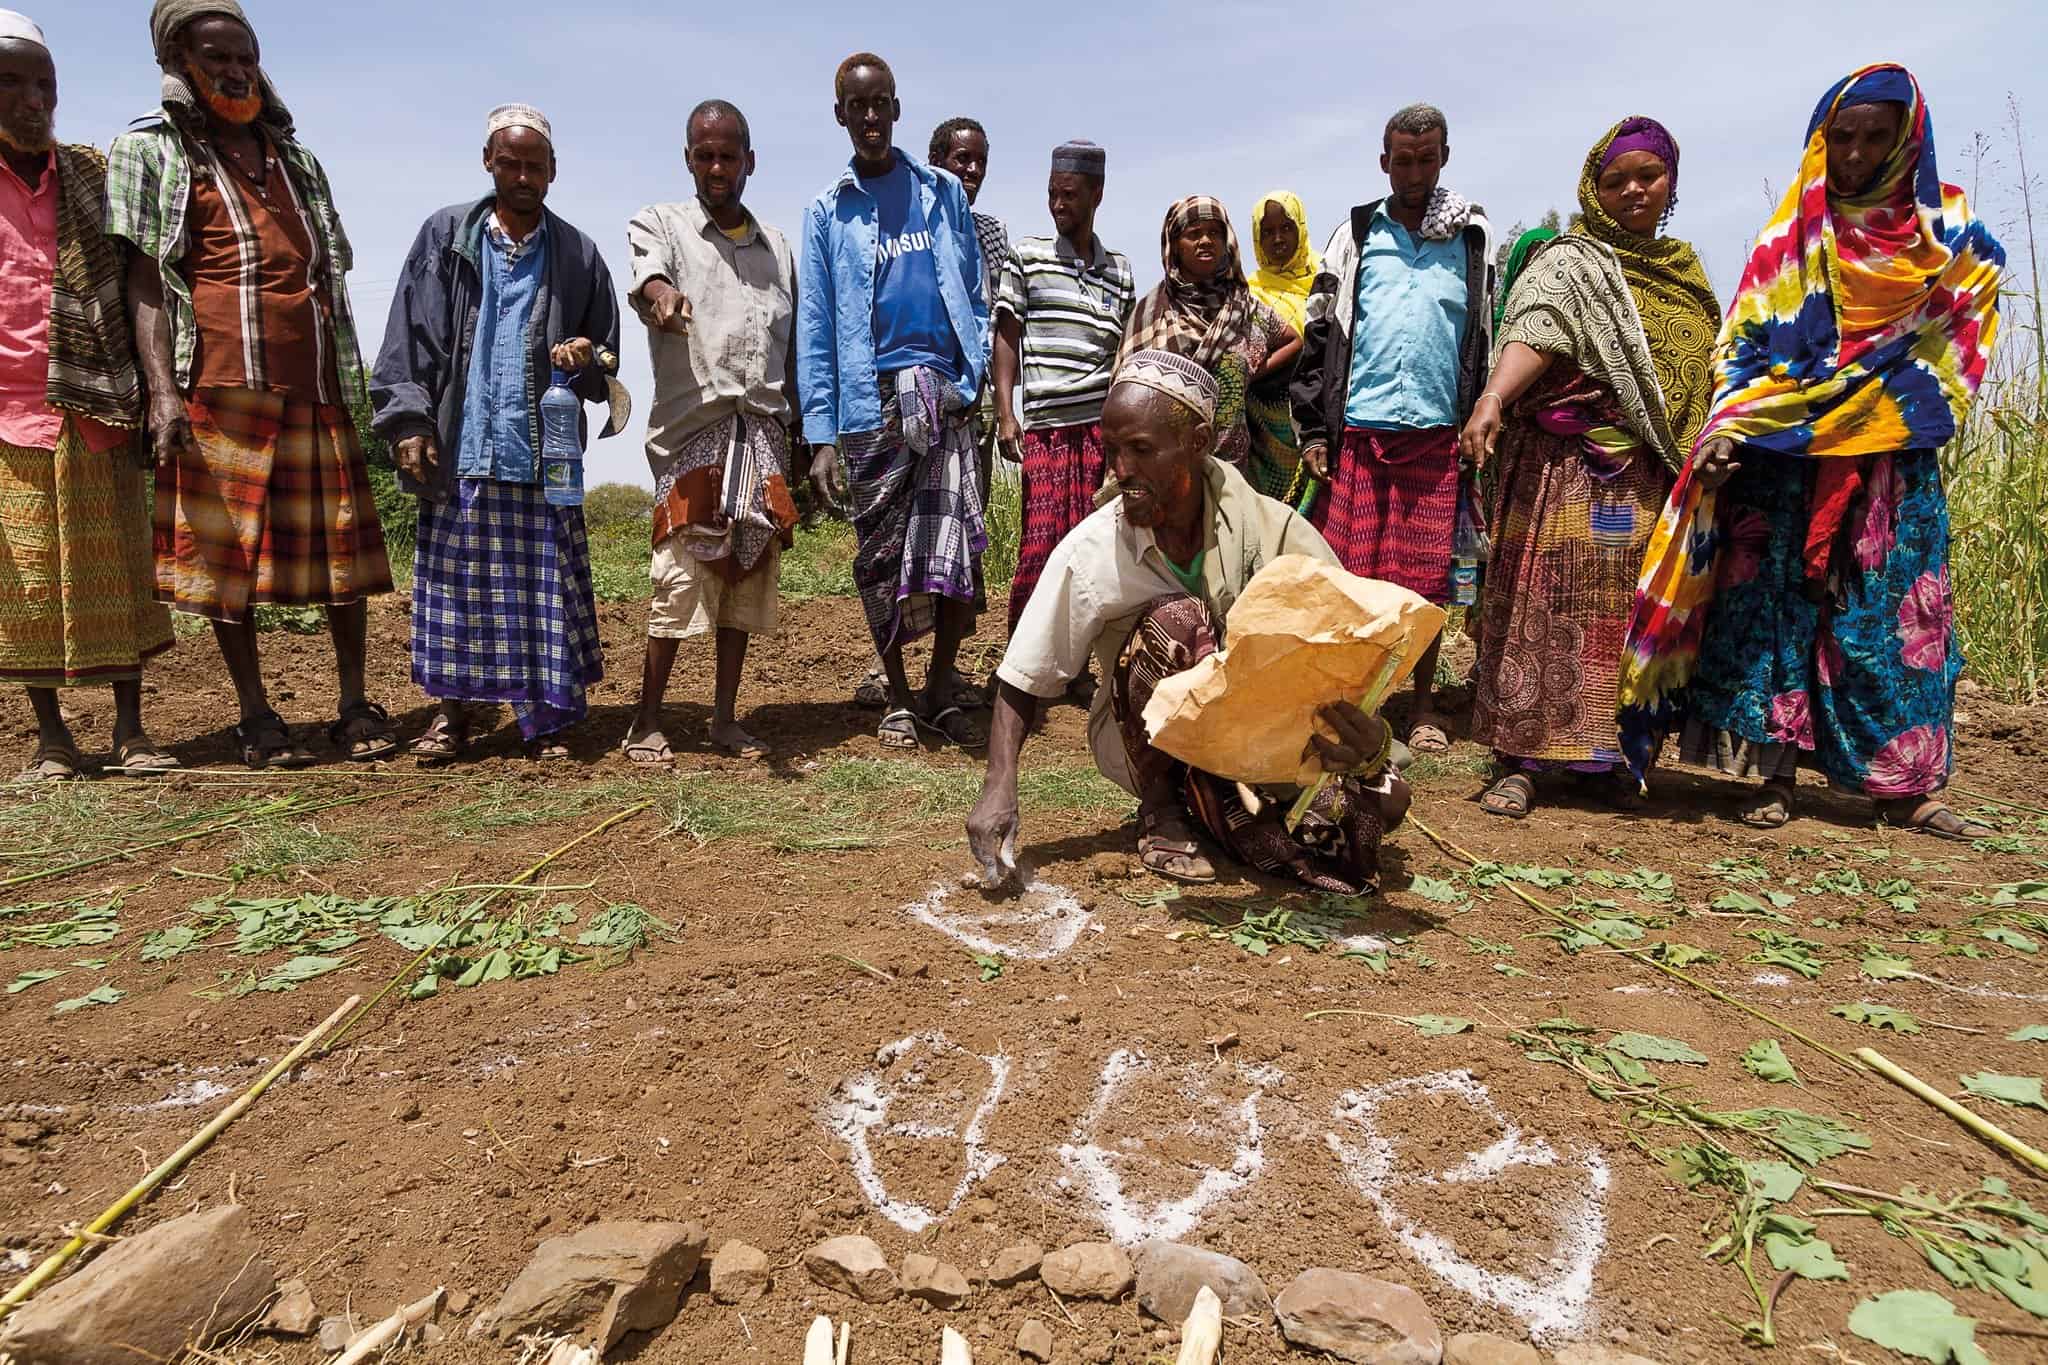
(443, 741)
(267, 743)
(379, 740)
(1515, 794)
(1928, 818)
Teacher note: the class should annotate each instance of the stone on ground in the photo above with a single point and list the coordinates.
(602, 1282)
(1088, 1270)
(853, 1266)
(334, 1334)
(739, 1273)
(1016, 1264)
(1170, 1275)
(293, 1315)
(188, 1281)
(1034, 1340)
(1360, 1319)
(1591, 1353)
(1484, 1348)
(932, 1280)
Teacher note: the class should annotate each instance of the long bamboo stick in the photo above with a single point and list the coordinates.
(1976, 1123)
(1638, 955)
(59, 1258)
(521, 880)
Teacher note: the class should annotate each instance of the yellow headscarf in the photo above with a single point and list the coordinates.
(1283, 285)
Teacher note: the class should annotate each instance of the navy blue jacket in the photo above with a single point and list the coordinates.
(422, 370)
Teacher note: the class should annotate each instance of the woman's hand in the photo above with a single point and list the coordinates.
(1482, 431)
(1714, 463)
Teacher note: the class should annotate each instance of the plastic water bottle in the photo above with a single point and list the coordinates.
(561, 443)
(1470, 549)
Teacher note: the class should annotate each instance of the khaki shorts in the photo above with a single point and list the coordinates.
(692, 598)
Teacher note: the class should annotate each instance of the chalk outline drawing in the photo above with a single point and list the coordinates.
(1131, 1222)
(860, 1105)
(1057, 907)
(1548, 1310)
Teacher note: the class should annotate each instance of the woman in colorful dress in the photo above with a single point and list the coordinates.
(1603, 368)
(1204, 310)
(1287, 271)
(1795, 605)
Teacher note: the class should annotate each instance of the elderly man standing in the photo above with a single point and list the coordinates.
(248, 350)
(77, 590)
(1144, 585)
(892, 342)
(717, 290)
(1060, 315)
(1395, 359)
(496, 295)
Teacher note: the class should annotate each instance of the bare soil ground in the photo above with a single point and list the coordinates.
(1150, 1076)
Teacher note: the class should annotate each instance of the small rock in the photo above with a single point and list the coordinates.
(407, 1111)
(459, 1301)
(1484, 1348)
(1016, 1264)
(431, 1334)
(602, 1282)
(1170, 1275)
(1088, 1270)
(334, 1334)
(293, 1315)
(191, 1280)
(854, 1266)
(1109, 867)
(1591, 1353)
(982, 1209)
(930, 1279)
(1034, 1340)
(1356, 1318)
(739, 1273)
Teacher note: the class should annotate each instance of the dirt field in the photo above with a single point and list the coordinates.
(1121, 1071)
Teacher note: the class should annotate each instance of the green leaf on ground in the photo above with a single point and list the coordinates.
(1438, 1025)
(1508, 969)
(33, 978)
(1741, 902)
(1766, 1061)
(1430, 889)
(102, 994)
(1377, 960)
(417, 938)
(165, 944)
(1564, 1024)
(1648, 1047)
(1810, 1258)
(1680, 954)
(991, 964)
(1776, 1181)
(1806, 1138)
(288, 976)
(427, 985)
(2014, 1090)
(1921, 1324)
(1882, 966)
(1877, 1016)
(2031, 1033)
(2012, 938)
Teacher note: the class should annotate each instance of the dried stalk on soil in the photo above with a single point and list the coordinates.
(1638, 955)
(477, 909)
(1976, 1123)
(1202, 1336)
(386, 1333)
(47, 1271)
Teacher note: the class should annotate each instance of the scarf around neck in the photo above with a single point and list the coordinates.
(1446, 216)
(92, 362)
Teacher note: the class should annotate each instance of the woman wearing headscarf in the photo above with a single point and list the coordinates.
(1287, 271)
(1603, 369)
(1795, 602)
(1204, 309)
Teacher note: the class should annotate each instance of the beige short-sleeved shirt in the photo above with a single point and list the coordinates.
(1100, 578)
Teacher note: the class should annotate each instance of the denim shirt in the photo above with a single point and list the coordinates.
(1408, 331)
(497, 431)
(836, 298)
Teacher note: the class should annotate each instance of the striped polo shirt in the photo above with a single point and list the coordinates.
(1073, 314)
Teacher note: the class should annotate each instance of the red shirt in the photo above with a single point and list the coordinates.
(28, 257)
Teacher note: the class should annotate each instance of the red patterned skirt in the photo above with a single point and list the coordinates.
(1392, 507)
(1062, 473)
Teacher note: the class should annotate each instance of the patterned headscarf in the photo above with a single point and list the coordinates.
(1202, 321)
(1176, 376)
(1518, 257)
(1669, 285)
(1284, 285)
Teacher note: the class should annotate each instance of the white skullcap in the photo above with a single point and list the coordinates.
(1179, 378)
(518, 116)
(15, 25)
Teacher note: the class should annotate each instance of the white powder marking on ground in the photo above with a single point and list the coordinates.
(1770, 979)
(184, 1095)
(861, 1105)
(1363, 943)
(1640, 989)
(1042, 923)
(1130, 1220)
(1548, 1310)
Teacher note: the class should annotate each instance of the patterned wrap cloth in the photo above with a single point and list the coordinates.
(1861, 328)
(1063, 469)
(1283, 286)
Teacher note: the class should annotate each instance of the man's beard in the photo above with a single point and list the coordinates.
(240, 112)
(16, 138)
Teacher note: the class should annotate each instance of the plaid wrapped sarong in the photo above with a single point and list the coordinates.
(275, 506)
(916, 508)
(77, 600)
(502, 604)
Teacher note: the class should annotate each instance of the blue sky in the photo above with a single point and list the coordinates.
(1223, 99)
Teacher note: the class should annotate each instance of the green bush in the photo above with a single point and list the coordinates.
(618, 504)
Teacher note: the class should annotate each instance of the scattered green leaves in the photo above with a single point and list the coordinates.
(1765, 1059)
(1648, 1047)
(2030, 1033)
(1438, 1025)
(1785, 950)
(1877, 1016)
(2020, 1091)
(1430, 889)
(33, 978)
(2012, 938)
(102, 994)
(1919, 1323)
(991, 965)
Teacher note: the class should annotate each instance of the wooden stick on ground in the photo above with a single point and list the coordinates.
(1202, 1337)
(1976, 1123)
(379, 1335)
(47, 1271)
(818, 1342)
(953, 1348)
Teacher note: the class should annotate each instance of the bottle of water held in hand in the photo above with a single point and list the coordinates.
(1470, 549)
(561, 443)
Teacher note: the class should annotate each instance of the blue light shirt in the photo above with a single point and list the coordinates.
(497, 422)
(911, 327)
(1408, 331)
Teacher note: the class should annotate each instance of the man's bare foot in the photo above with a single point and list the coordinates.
(730, 737)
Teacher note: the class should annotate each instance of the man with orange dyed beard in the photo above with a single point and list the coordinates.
(248, 351)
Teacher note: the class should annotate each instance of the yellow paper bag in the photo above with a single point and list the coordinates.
(1303, 634)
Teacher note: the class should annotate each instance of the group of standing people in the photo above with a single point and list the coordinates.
(1731, 531)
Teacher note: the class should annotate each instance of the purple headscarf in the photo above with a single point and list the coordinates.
(1641, 134)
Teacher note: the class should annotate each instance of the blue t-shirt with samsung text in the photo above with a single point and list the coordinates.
(911, 326)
